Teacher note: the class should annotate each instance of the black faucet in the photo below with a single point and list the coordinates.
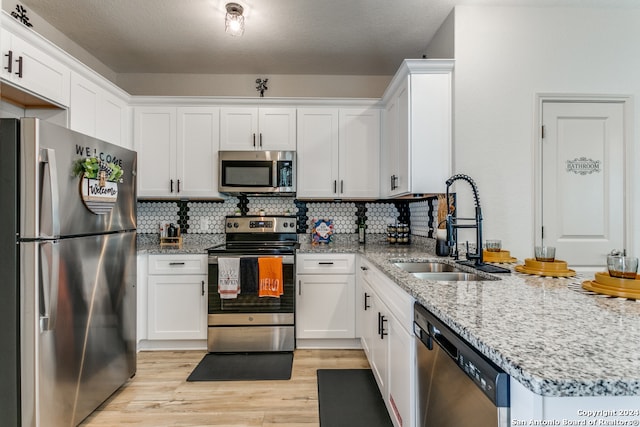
(453, 222)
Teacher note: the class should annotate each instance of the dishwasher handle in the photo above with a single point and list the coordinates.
(449, 347)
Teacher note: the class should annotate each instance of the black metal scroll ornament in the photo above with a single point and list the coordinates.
(21, 15)
(261, 86)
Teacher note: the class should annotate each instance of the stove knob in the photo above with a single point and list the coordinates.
(229, 225)
(292, 224)
(236, 225)
(285, 225)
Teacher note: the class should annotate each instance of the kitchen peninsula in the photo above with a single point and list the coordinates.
(565, 349)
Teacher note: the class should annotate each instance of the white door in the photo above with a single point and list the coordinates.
(583, 180)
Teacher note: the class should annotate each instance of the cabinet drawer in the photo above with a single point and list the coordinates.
(177, 264)
(325, 264)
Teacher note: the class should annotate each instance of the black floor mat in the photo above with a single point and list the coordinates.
(243, 367)
(350, 398)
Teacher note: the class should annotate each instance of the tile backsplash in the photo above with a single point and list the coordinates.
(205, 217)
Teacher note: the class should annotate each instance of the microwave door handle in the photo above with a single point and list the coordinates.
(48, 155)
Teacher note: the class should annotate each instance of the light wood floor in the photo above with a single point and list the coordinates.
(159, 394)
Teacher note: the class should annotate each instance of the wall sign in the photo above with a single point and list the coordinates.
(583, 166)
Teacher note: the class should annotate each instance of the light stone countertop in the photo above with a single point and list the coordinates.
(547, 333)
(149, 243)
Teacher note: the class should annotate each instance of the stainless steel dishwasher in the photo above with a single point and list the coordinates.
(457, 386)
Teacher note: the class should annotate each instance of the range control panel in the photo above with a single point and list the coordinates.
(261, 224)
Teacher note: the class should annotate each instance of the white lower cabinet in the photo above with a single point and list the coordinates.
(385, 316)
(177, 297)
(325, 300)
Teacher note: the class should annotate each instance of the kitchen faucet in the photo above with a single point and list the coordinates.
(453, 225)
(475, 260)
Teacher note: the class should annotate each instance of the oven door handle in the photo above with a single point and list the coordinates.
(286, 259)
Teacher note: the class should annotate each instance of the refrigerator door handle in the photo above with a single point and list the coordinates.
(49, 283)
(48, 155)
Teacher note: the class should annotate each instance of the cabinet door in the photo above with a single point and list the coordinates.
(359, 153)
(155, 140)
(389, 149)
(112, 121)
(197, 153)
(379, 347)
(401, 371)
(34, 70)
(402, 152)
(239, 128)
(83, 108)
(317, 153)
(325, 306)
(277, 129)
(368, 318)
(177, 307)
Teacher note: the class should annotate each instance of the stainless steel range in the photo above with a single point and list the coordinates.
(248, 321)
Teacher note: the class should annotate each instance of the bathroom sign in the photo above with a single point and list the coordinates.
(583, 166)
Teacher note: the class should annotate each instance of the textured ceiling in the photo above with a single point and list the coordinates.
(347, 37)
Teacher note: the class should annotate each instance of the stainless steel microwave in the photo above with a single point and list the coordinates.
(256, 172)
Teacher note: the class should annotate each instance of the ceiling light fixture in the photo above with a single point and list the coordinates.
(234, 21)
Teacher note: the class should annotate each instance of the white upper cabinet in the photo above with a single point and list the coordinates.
(177, 151)
(338, 153)
(32, 69)
(252, 128)
(359, 163)
(417, 128)
(96, 112)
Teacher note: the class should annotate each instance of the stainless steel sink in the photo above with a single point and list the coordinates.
(424, 267)
(450, 276)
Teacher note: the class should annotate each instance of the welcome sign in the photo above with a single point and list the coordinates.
(99, 196)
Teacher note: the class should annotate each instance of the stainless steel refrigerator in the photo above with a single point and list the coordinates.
(67, 273)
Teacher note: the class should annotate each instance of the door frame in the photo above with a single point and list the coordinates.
(628, 142)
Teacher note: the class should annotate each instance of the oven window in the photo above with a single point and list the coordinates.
(253, 303)
(247, 173)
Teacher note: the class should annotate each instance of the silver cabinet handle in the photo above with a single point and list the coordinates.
(260, 139)
(341, 186)
(299, 287)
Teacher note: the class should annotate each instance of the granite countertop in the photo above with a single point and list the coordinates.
(191, 244)
(547, 333)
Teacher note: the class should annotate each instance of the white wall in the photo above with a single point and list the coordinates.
(504, 56)
(244, 85)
